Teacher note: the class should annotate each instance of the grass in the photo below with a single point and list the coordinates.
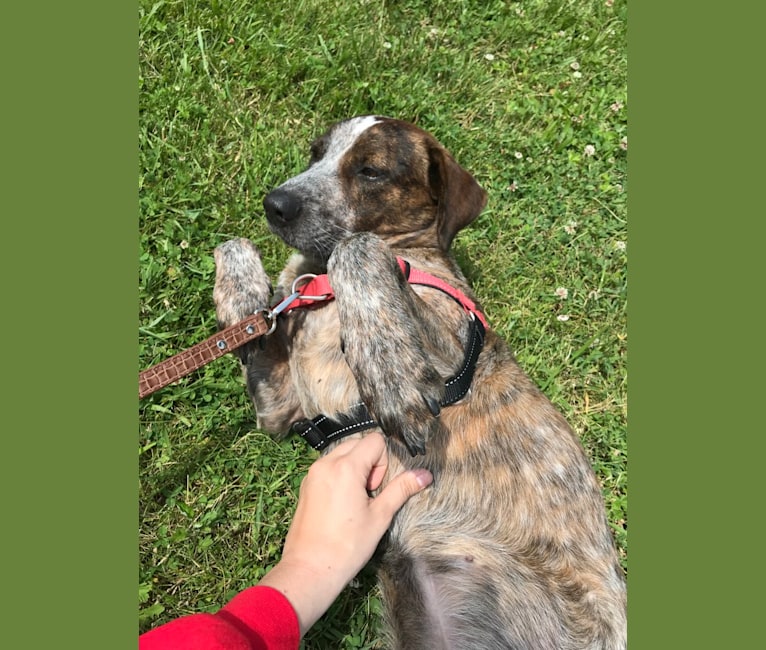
(530, 96)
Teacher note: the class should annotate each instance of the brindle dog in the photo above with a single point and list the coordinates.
(510, 547)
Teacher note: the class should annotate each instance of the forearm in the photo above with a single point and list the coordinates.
(309, 589)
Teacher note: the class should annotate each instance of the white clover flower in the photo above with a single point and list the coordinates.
(387, 45)
(577, 74)
(489, 57)
(571, 227)
(589, 150)
(518, 155)
(562, 292)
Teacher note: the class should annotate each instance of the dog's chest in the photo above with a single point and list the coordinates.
(319, 370)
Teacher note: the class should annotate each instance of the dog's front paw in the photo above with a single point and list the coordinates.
(241, 284)
(414, 425)
(408, 410)
(384, 341)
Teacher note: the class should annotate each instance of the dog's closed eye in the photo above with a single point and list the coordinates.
(371, 173)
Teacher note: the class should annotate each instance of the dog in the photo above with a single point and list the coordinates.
(510, 546)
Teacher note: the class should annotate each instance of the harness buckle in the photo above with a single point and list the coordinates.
(309, 431)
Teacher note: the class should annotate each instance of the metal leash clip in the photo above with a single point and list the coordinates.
(283, 305)
(271, 313)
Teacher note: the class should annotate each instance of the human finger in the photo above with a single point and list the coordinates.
(370, 457)
(399, 491)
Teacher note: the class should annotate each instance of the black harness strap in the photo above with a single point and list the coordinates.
(322, 430)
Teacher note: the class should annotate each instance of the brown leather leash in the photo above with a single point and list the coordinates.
(260, 323)
(186, 362)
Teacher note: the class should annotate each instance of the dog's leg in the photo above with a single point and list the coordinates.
(242, 287)
(391, 340)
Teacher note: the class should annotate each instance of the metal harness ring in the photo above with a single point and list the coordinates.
(302, 280)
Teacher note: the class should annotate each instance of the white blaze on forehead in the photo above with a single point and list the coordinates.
(340, 141)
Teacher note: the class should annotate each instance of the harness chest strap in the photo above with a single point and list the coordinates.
(321, 430)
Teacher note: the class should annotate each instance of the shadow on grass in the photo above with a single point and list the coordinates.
(353, 620)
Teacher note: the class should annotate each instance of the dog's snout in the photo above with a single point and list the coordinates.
(281, 206)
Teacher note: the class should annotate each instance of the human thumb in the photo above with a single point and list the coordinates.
(398, 491)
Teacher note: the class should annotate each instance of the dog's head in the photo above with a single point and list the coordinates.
(375, 174)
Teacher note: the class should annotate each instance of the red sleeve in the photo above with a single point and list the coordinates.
(259, 618)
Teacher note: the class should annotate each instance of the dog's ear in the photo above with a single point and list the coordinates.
(459, 197)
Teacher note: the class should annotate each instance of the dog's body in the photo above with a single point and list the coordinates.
(510, 547)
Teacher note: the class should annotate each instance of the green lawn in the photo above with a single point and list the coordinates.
(530, 96)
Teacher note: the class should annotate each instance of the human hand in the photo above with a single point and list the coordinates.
(337, 525)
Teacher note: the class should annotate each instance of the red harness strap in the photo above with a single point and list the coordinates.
(416, 276)
(317, 289)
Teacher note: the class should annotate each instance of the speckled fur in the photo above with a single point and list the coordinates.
(510, 547)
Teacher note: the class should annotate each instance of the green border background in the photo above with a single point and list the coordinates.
(69, 262)
(695, 230)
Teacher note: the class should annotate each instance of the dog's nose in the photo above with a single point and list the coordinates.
(281, 206)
